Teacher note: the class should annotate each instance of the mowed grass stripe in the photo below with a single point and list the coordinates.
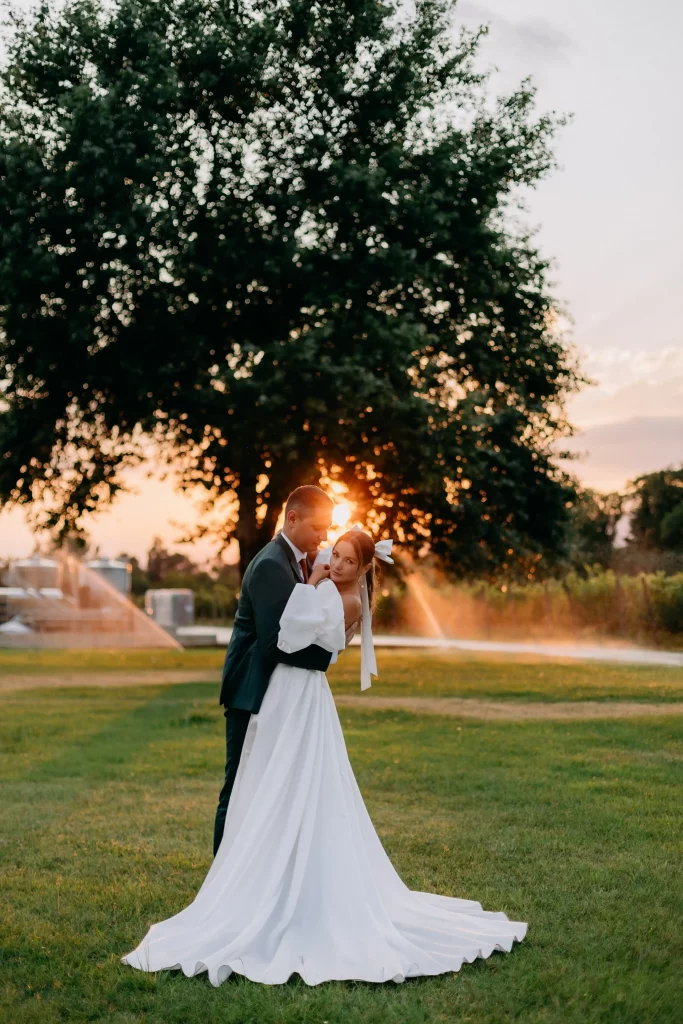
(432, 674)
(87, 732)
(574, 827)
(36, 661)
(402, 673)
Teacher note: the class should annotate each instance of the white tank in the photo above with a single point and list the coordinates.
(119, 574)
(170, 608)
(37, 572)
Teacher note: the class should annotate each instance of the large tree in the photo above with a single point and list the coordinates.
(276, 238)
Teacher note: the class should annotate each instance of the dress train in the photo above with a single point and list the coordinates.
(301, 883)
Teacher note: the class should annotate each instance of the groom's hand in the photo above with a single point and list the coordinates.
(320, 572)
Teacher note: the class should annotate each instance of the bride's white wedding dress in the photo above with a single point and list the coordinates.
(301, 883)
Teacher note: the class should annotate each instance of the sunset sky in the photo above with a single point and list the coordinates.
(611, 217)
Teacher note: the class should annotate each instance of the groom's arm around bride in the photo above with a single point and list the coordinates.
(252, 652)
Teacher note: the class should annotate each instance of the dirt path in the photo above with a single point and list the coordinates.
(12, 682)
(510, 710)
(460, 707)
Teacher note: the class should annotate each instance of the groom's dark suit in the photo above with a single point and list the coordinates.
(253, 653)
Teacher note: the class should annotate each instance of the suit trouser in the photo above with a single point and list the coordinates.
(236, 722)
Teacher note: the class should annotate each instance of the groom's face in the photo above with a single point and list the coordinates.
(307, 531)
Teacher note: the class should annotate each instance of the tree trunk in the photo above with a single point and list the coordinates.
(252, 534)
(247, 530)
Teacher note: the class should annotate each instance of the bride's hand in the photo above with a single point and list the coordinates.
(320, 572)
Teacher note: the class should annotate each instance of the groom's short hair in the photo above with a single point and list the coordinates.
(307, 500)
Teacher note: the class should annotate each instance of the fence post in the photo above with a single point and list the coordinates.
(513, 610)
(619, 598)
(485, 605)
(648, 607)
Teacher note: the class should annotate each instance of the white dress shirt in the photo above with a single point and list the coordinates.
(298, 555)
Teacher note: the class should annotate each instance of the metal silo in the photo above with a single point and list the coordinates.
(37, 572)
(119, 574)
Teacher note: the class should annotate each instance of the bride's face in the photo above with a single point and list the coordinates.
(344, 563)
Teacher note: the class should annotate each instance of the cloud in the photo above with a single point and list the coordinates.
(530, 37)
(541, 37)
(613, 453)
(629, 384)
(596, 406)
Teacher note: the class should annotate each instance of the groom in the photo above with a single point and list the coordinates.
(252, 652)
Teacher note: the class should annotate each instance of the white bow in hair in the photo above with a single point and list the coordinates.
(382, 549)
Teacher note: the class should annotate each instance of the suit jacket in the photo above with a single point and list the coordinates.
(252, 652)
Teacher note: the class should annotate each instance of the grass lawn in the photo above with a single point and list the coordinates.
(45, 661)
(107, 804)
(431, 674)
(426, 673)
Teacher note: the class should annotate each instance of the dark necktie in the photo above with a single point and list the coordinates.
(303, 565)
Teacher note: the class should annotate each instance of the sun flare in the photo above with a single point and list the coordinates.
(341, 517)
(341, 514)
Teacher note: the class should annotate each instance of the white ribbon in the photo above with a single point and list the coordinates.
(368, 661)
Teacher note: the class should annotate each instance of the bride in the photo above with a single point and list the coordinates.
(301, 883)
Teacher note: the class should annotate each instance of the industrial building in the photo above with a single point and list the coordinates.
(62, 601)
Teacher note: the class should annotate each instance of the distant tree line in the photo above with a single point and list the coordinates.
(654, 506)
(644, 608)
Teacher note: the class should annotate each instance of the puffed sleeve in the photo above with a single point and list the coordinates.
(313, 615)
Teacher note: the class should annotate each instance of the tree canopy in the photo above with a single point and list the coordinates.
(277, 238)
(593, 526)
(657, 516)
